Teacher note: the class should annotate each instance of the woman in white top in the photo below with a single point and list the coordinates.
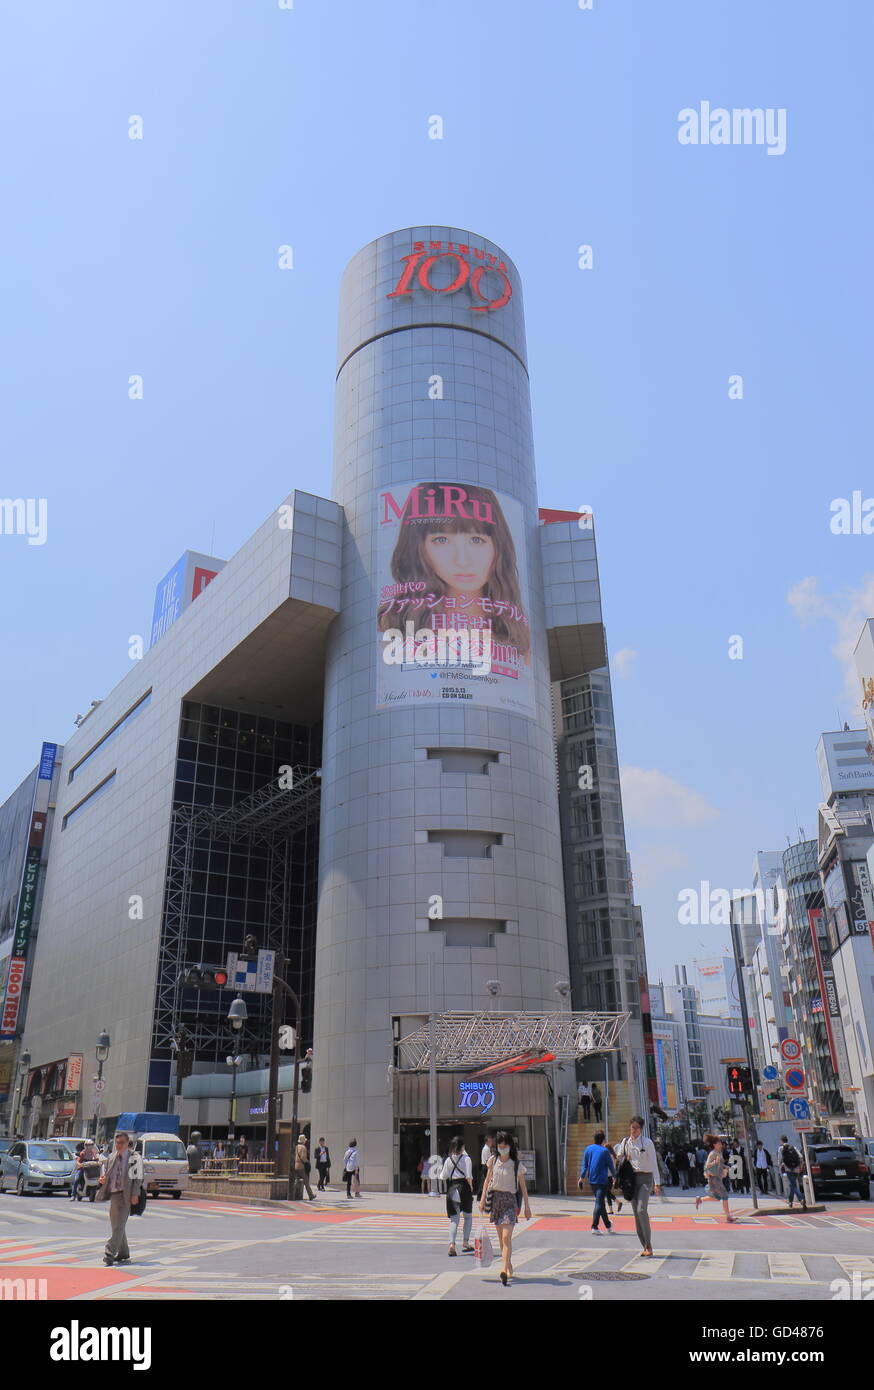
(640, 1153)
(506, 1177)
(457, 1173)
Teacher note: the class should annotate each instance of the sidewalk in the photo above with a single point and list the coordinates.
(674, 1203)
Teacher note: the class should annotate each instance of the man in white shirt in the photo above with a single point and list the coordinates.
(585, 1100)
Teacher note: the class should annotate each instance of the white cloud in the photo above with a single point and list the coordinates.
(651, 797)
(848, 611)
(622, 663)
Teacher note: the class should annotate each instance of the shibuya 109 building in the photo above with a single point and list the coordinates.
(379, 740)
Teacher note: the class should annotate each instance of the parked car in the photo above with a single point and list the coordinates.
(838, 1168)
(37, 1165)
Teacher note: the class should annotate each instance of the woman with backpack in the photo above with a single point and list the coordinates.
(457, 1173)
(789, 1162)
(715, 1171)
(637, 1176)
(505, 1185)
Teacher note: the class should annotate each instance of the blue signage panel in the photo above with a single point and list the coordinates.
(169, 599)
(476, 1095)
(799, 1109)
(47, 761)
(769, 1073)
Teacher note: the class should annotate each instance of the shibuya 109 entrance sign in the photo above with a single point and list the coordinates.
(444, 271)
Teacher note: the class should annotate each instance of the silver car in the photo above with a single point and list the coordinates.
(37, 1165)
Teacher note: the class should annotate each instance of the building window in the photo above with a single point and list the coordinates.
(132, 713)
(87, 800)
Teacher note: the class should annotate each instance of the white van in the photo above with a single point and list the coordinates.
(165, 1163)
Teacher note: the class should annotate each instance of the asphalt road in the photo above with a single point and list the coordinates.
(387, 1247)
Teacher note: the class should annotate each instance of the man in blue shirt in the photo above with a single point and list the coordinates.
(599, 1168)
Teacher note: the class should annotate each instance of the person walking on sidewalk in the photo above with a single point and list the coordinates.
(639, 1152)
(789, 1162)
(457, 1173)
(302, 1165)
(716, 1171)
(323, 1164)
(600, 1170)
(351, 1170)
(120, 1184)
(505, 1180)
(761, 1163)
(485, 1158)
(681, 1162)
(597, 1101)
(585, 1100)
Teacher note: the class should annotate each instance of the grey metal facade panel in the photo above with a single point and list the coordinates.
(374, 273)
(389, 434)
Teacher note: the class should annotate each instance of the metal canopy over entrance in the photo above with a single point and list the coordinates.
(471, 1039)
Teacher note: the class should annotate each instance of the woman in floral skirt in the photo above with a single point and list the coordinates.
(504, 1180)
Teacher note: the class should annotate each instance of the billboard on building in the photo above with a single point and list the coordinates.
(452, 620)
(844, 765)
(14, 984)
(180, 587)
(666, 1072)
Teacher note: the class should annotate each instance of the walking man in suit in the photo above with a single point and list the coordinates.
(120, 1185)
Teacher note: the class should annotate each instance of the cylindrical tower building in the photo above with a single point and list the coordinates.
(440, 825)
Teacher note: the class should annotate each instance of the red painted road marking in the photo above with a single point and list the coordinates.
(63, 1282)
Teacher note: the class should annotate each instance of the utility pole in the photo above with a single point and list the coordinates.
(432, 1082)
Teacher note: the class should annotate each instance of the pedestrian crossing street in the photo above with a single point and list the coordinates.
(720, 1266)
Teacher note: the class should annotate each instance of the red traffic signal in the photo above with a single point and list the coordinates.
(739, 1081)
(205, 977)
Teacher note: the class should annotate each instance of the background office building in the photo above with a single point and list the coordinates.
(342, 742)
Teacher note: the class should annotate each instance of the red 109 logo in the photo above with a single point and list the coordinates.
(490, 274)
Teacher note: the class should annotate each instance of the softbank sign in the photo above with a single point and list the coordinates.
(484, 274)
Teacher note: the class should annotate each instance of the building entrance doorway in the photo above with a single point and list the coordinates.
(415, 1146)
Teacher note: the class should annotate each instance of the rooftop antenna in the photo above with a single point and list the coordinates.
(212, 542)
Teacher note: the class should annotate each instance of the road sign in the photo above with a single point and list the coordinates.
(802, 1129)
(790, 1049)
(99, 1086)
(251, 976)
(799, 1108)
(769, 1073)
(794, 1079)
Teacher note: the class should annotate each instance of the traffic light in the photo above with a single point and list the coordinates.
(204, 977)
(740, 1082)
(776, 1095)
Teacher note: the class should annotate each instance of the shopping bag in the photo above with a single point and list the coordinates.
(483, 1254)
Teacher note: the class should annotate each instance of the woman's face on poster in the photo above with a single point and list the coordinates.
(462, 559)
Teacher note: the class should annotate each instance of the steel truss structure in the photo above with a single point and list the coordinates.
(471, 1039)
(269, 817)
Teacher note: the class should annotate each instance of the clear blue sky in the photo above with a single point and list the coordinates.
(309, 127)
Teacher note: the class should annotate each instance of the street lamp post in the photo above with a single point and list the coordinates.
(233, 1063)
(101, 1052)
(237, 1015)
(23, 1069)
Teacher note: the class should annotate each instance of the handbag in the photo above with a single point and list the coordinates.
(138, 1207)
(483, 1252)
(625, 1176)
